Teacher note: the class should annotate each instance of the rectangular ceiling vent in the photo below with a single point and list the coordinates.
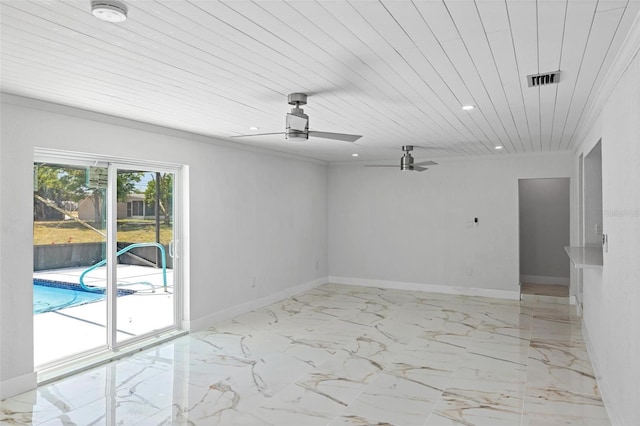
(544, 79)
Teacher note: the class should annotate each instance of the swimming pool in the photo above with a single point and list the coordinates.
(49, 296)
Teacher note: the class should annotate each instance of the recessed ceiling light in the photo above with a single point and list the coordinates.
(498, 147)
(354, 155)
(109, 10)
(468, 107)
(254, 128)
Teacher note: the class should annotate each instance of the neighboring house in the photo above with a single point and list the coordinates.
(134, 207)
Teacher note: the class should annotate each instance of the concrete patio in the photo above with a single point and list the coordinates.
(78, 329)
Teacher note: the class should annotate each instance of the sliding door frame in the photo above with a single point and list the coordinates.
(114, 164)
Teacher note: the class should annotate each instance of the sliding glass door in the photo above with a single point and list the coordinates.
(145, 248)
(105, 255)
(69, 234)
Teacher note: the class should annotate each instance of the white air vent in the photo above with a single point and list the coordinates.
(544, 79)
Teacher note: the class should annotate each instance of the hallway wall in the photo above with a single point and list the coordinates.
(612, 295)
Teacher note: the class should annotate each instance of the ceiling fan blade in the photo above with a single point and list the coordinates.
(257, 134)
(414, 167)
(337, 136)
(425, 163)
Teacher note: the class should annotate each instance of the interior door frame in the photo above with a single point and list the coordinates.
(569, 179)
(579, 271)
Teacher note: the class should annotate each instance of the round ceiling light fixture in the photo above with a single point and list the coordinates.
(109, 10)
(468, 107)
(498, 147)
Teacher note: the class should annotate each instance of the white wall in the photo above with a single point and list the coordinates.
(252, 214)
(612, 295)
(409, 229)
(544, 230)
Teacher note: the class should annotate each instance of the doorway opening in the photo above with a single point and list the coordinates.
(544, 232)
(103, 278)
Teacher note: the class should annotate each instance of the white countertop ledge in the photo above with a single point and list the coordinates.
(585, 257)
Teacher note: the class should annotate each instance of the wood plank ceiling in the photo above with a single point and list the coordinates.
(396, 72)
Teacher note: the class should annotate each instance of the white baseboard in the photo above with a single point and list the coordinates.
(17, 385)
(541, 279)
(603, 385)
(209, 320)
(432, 288)
(573, 300)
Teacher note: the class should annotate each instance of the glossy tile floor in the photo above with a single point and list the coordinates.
(344, 355)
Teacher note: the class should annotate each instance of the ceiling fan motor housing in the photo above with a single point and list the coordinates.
(406, 162)
(297, 126)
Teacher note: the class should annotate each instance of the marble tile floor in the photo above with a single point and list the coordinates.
(345, 355)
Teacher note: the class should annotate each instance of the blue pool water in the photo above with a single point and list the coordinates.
(51, 296)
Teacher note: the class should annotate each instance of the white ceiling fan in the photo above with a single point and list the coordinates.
(407, 163)
(297, 124)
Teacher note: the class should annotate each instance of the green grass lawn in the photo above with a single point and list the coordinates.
(68, 231)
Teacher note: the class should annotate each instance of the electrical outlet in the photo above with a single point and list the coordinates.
(317, 265)
(253, 282)
(469, 270)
